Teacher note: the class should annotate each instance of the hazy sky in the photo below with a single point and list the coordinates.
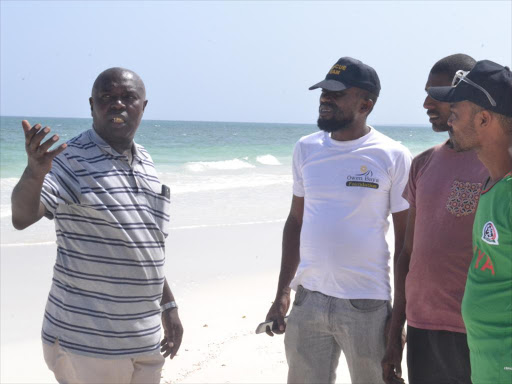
(237, 60)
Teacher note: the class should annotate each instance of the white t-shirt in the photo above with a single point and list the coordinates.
(349, 190)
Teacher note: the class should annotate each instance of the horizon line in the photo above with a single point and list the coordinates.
(213, 121)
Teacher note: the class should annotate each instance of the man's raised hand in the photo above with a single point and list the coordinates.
(39, 156)
(26, 203)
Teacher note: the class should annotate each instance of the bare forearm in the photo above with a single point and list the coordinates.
(290, 255)
(166, 293)
(400, 222)
(399, 301)
(404, 237)
(400, 270)
(26, 200)
(26, 196)
(289, 262)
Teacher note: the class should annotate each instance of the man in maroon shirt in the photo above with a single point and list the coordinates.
(443, 191)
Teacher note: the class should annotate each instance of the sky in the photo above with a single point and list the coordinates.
(241, 61)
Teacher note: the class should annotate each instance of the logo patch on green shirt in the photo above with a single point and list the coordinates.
(490, 233)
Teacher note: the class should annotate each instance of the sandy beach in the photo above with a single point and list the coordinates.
(224, 288)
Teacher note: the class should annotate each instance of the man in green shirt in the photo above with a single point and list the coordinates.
(481, 119)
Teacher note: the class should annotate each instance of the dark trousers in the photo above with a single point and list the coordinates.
(437, 357)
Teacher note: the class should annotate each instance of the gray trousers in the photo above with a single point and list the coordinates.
(320, 327)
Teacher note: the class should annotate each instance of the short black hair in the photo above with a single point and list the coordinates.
(449, 65)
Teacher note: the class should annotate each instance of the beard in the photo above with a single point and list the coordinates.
(442, 127)
(336, 123)
(458, 143)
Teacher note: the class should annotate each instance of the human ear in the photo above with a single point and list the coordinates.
(366, 106)
(485, 118)
(91, 103)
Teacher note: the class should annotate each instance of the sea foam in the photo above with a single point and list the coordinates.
(206, 183)
(201, 166)
(268, 160)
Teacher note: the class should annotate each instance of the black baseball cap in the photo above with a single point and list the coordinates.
(347, 73)
(488, 85)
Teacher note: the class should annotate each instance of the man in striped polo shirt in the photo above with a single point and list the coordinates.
(109, 293)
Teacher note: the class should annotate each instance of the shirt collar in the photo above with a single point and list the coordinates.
(95, 138)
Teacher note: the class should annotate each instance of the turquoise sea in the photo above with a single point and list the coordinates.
(220, 173)
(176, 145)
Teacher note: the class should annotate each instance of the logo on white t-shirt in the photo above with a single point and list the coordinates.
(364, 179)
(490, 233)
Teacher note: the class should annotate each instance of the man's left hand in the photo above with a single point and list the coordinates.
(173, 332)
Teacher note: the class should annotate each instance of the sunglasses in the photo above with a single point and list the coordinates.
(462, 76)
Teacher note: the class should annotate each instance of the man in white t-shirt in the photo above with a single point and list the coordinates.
(348, 178)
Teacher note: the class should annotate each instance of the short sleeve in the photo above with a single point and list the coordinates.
(418, 165)
(298, 183)
(60, 186)
(400, 178)
(410, 189)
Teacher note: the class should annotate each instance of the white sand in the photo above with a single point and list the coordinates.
(224, 280)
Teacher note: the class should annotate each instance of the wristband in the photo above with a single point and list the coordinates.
(169, 305)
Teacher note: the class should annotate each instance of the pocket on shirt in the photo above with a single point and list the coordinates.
(163, 223)
(161, 208)
(463, 198)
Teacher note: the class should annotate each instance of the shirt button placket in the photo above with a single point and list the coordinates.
(133, 169)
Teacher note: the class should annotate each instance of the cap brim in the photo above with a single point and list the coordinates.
(330, 85)
(446, 94)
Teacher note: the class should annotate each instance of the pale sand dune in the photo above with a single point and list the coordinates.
(224, 280)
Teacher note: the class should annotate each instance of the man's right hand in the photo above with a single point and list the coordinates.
(278, 311)
(26, 203)
(39, 156)
(392, 361)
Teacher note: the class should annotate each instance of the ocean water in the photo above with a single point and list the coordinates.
(219, 173)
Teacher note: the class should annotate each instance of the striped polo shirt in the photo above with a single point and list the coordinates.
(111, 220)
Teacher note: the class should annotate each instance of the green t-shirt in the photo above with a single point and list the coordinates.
(487, 303)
